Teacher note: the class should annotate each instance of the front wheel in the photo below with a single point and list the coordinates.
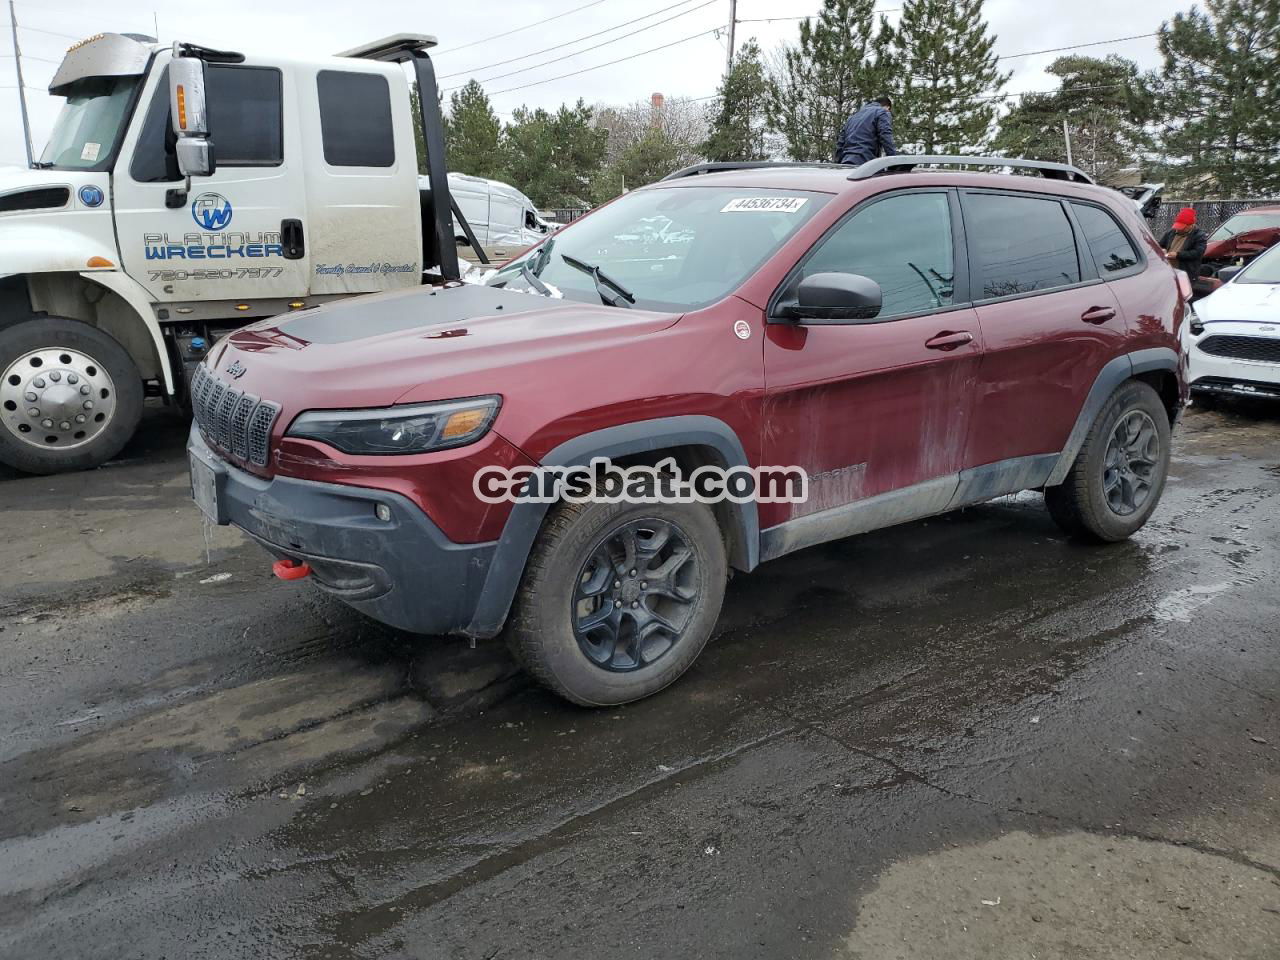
(70, 396)
(618, 600)
(1119, 473)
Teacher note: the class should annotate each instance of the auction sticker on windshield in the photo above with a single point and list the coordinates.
(764, 204)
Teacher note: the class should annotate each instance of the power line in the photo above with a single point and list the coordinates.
(52, 33)
(498, 36)
(1077, 46)
(28, 56)
(610, 63)
(810, 16)
(589, 36)
(605, 43)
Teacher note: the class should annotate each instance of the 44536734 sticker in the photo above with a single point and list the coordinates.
(244, 273)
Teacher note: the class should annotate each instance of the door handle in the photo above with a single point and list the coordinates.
(291, 239)
(949, 340)
(1098, 315)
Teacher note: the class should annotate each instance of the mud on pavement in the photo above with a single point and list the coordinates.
(965, 737)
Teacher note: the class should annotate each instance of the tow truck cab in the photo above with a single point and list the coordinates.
(185, 192)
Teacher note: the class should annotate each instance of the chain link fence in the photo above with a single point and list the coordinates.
(1210, 214)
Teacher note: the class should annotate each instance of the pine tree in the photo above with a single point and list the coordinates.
(838, 65)
(554, 157)
(737, 126)
(1103, 106)
(1219, 94)
(942, 52)
(473, 131)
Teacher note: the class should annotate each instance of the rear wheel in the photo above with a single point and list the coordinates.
(1119, 473)
(70, 396)
(618, 600)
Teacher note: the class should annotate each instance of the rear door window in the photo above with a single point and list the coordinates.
(355, 119)
(1112, 250)
(1018, 245)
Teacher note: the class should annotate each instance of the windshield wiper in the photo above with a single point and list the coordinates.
(41, 165)
(624, 296)
(531, 278)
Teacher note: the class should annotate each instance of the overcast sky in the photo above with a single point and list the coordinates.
(691, 68)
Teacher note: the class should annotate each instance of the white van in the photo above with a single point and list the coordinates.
(503, 219)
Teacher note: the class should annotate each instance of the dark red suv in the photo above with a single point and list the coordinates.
(913, 340)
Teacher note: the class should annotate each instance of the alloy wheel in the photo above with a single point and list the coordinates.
(1130, 464)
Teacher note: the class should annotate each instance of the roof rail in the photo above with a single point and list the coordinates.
(905, 162)
(721, 167)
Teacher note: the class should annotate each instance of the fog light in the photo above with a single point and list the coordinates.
(383, 512)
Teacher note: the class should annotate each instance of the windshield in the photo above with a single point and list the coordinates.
(1265, 269)
(1243, 223)
(86, 130)
(670, 249)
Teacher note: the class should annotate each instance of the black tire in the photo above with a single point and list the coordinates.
(541, 631)
(1091, 503)
(115, 372)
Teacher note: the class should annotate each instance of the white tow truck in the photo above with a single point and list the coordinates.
(187, 191)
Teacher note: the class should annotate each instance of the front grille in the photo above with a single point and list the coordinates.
(1263, 349)
(239, 423)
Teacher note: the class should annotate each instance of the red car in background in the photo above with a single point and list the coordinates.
(1243, 237)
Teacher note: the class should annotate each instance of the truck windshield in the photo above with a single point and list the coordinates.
(86, 131)
(672, 248)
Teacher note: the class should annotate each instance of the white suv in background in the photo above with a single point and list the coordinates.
(1235, 337)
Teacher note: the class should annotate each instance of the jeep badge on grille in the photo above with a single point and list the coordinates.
(236, 370)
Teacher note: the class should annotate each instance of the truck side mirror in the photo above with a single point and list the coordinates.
(189, 114)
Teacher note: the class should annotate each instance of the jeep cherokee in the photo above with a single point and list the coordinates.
(916, 340)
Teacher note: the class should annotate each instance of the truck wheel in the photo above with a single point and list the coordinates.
(1119, 473)
(618, 600)
(70, 396)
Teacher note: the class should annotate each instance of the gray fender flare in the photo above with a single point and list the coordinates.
(1109, 378)
(516, 542)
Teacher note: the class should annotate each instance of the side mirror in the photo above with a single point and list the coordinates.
(1227, 274)
(836, 298)
(189, 114)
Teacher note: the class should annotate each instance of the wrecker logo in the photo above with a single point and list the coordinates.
(211, 211)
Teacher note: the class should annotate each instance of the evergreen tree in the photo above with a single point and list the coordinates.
(647, 160)
(942, 50)
(554, 157)
(1219, 97)
(737, 127)
(473, 133)
(839, 64)
(1102, 103)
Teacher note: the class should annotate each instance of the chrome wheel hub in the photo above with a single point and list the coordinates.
(57, 398)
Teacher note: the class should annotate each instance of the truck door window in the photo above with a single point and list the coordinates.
(1018, 245)
(245, 123)
(355, 119)
(904, 244)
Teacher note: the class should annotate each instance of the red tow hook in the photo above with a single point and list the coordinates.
(288, 569)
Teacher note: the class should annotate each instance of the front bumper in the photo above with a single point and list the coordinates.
(403, 572)
(1225, 375)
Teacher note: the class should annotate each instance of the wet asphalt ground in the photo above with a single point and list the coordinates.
(965, 737)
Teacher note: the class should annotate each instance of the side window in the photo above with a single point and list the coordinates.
(245, 118)
(1018, 245)
(355, 119)
(244, 123)
(904, 244)
(153, 157)
(1110, 246)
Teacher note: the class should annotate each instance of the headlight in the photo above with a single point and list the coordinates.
(396, 430)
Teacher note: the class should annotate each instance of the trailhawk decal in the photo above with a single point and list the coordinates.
(764, 205)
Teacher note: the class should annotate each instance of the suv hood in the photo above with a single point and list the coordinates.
(372, 351)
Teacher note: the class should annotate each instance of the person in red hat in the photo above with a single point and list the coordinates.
(1184, 243)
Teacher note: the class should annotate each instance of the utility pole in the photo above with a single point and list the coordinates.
(1066, 135)
(22, 90)
(733, 22)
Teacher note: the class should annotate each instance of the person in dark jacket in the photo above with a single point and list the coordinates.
(1184, 243)
(867, 134)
